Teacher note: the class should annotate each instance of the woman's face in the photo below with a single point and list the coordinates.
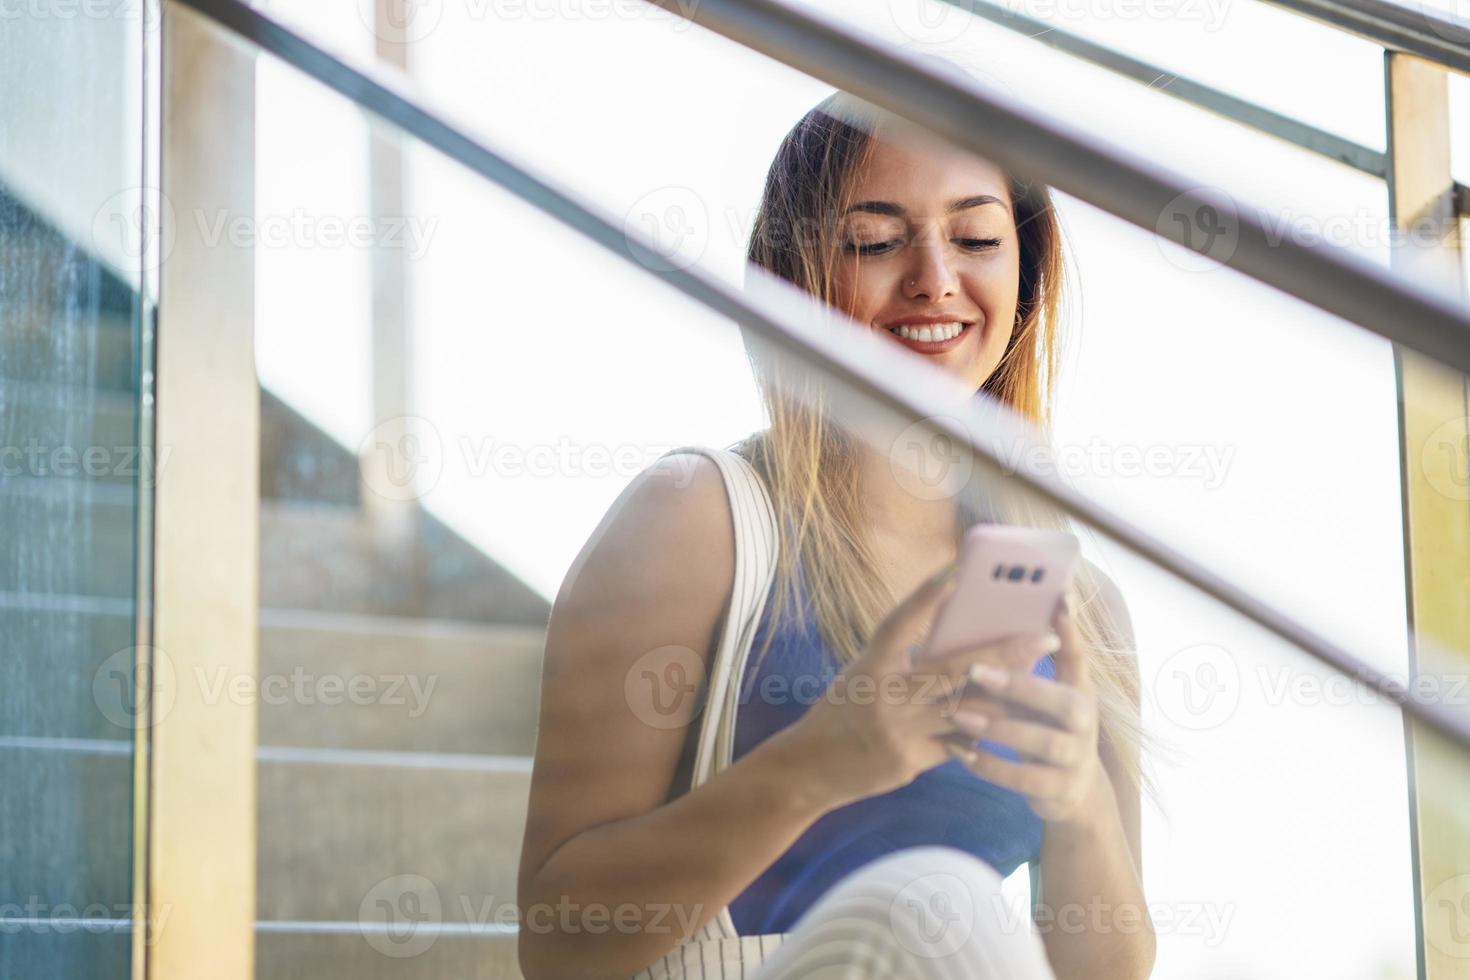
(931, 237)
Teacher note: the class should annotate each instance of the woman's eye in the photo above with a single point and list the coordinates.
(877, 248)
(871, 249)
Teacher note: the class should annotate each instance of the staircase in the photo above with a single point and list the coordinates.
(399, 677)
(372, 815)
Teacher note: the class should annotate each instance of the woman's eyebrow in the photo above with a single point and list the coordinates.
(897, 211)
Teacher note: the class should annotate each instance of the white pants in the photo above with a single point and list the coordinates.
(931, 913)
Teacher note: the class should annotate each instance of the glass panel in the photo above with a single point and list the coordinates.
(71, 475)
(495, 384)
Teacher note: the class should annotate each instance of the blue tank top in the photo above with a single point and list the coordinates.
(947, 804)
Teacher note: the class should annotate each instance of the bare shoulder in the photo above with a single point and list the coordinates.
(669, 528)
(646, 591)
(1116, 607)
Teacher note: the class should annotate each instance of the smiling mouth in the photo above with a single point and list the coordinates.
(931, 333)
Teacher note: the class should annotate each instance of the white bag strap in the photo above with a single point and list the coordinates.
(754, 523)
(718, 942)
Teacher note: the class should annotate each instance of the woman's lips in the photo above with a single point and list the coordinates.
(934, 346)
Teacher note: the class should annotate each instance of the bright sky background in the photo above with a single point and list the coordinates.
(1284, 819)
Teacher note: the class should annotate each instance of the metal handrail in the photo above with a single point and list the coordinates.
(973, 115)
(1188, 90)
(1415, 29)
(896, 383)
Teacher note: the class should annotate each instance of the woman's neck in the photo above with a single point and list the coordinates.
(911, 496)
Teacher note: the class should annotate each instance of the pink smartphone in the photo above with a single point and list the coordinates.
(1010, 581)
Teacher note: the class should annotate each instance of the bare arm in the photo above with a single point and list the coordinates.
(1091, 896)
(611, 877)
(614, 875)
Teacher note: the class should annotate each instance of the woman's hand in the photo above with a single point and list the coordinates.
(875, 726)
(1052, 725)
(882, 720)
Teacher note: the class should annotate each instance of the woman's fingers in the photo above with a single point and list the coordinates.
(1062, 704)
(1036, 742)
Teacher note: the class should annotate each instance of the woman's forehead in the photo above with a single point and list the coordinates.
(925, 175)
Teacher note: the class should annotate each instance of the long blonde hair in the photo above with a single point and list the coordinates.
(810, 462)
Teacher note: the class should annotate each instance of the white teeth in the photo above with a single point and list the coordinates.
(941, 331)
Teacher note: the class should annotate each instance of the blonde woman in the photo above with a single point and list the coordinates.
(848, 836)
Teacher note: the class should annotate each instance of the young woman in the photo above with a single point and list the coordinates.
(867, 836)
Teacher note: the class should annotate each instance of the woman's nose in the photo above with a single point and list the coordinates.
(930, 274)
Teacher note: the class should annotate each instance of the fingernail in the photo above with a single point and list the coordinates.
(974, 721)
(988, 675)
(1051, 642)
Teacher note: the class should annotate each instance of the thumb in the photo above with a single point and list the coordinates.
(898, 630)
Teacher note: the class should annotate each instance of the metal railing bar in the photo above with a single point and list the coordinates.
(973, 115)
(1413, 28)
(1336, 148)
(883, 376)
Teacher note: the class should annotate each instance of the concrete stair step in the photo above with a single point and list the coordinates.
(72, 537)
(94, 349)
(340, 832)
(40, 700)
(331, 680)
(66, 537)
(300, 951)
(326, 558)
(69, 431)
